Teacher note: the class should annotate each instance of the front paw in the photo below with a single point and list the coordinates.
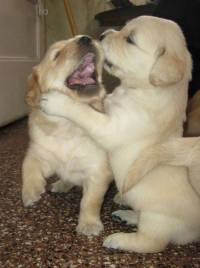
(90, 228)
(53, 103)
(115, 241)
(32, 193)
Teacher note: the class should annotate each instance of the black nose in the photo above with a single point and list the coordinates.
(85, 40)
(102, 36)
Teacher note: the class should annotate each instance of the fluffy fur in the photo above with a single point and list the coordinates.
(58, 146)
(150, 57)
(177, 151)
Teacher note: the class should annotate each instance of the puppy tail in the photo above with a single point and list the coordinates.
(176, 152)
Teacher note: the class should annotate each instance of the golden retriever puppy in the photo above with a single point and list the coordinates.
(57, 146)
(151, 58)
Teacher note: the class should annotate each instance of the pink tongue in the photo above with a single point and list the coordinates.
(83, 75)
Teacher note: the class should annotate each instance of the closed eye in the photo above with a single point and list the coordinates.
(130, 40)
(57, 55)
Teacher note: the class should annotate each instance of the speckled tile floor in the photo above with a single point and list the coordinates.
(44, 235)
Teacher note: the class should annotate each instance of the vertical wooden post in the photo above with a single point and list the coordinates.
(70, 17)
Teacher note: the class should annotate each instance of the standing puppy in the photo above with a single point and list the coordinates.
(150, 57)
(60, 147)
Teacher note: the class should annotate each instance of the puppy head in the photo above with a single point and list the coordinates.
(148, 51)
(73, 67)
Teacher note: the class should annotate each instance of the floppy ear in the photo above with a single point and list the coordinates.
(33, 91)
(168, 69)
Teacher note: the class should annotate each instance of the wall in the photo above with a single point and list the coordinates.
(83, 10)
(56, 22)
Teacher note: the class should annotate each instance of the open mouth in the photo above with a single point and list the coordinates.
(85, 75)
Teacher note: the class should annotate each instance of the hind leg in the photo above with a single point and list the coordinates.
(153, 235)
(33, 178)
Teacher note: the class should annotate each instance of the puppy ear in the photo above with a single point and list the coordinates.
(167, 70)
(33, 91)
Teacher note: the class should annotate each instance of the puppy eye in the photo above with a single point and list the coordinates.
(130, 40)
(57, 55)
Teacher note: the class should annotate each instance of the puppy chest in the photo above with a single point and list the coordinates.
(76, 149)
(77, 157)
(67, 148)
(79, 163)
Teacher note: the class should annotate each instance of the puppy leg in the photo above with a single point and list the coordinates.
(153, 235)
(147, 160)
(130, 217)
(89, 218)
(177, 152)
(33, 180)
(61, 186)
(185, 152)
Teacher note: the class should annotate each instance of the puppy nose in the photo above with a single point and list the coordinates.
(85, 40)
(102, 36)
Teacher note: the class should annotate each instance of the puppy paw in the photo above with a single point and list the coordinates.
(90, 228)
(53, 103)
(115, 241)
(61, 187)
(31, 193)
(129, 217)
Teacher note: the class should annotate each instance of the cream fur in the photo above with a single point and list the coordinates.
(177, 151)
(146, 109)
(58, 146)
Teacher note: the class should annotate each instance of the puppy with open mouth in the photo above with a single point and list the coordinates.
(151, 58)
(58, 146)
